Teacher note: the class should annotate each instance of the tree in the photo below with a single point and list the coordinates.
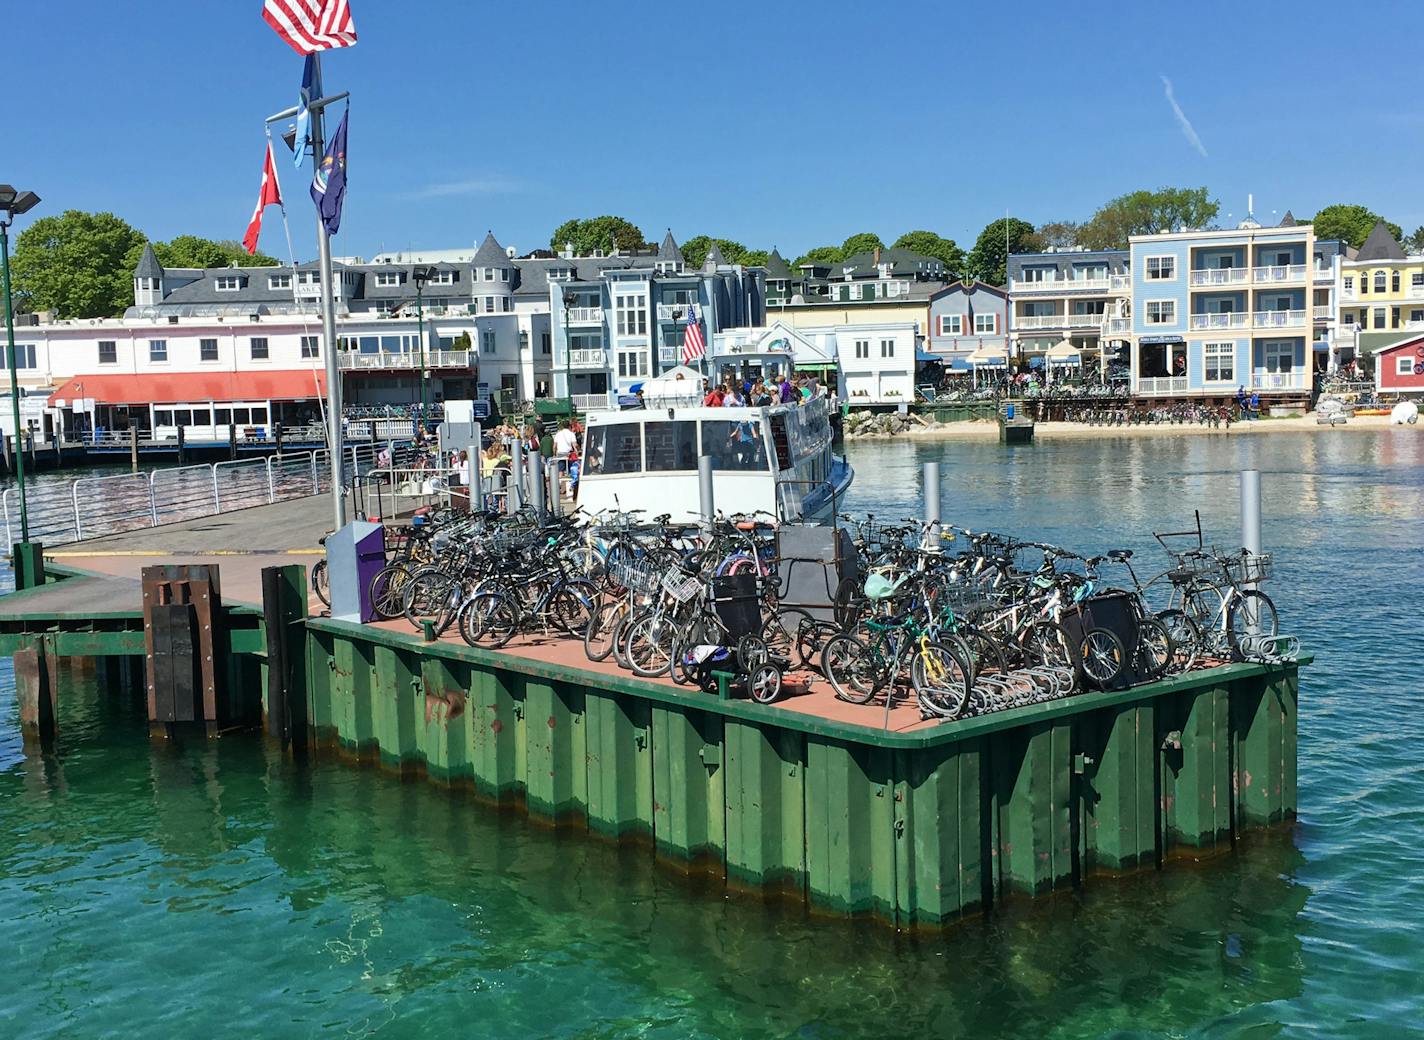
(1415, 242)
(78, 264)
(754, 258)
(1057, 234)
(927, 243)
(605, 233)
(988, 260)
(861, 243)
(823, 256)
(193, 251)
(1145, 213)
(1351, 223)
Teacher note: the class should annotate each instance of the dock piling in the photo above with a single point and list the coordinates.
(133, 448)
(1251, 510)
(284, 608)
(536, 482)
(706, 505)
(9, 460)
(555, 492)
(37, 691)
(932, 503)
(514, 498)
(182, 448)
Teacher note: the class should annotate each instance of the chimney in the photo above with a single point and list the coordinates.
(877, 256)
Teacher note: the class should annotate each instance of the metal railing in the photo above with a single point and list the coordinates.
(588, 359)
(1221, 320)
(392, 360)
(1279, 273)
(93, 506)
(1279, 380)
(1220, 276)
(1277, 319)
(585, 315)
(592, 402)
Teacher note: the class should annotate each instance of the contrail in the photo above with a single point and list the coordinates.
(1188, 131)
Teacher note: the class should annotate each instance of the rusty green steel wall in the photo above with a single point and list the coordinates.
(914, 828)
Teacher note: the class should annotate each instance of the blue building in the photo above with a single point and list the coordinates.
(1212, 311)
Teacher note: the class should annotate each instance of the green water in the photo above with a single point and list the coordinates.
(216, 890)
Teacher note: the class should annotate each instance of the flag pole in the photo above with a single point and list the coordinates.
(328, 321)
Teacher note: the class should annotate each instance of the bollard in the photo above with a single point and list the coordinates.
(182, 451)
(555, 491)
(932, 513)
(514, 495)
(1251, 525)
(477, 471)
(535, 468)
(706, 506)
(232, 441)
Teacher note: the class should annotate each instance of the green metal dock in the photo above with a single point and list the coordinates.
(915, 826)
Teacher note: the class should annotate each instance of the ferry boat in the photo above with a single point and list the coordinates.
(772, 458)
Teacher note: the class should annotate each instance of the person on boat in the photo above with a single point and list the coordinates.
(713, 398)
(732, 397)
(784, 391)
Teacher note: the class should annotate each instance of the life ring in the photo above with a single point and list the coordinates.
(1419, 368)
(1419, 350)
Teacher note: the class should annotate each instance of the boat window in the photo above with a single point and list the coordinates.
(163, 417)
(202, 417)
(259, 415)
(224, 416)
(734, 445)
(616, 448)
(183, 417)
(671, 445)
(780, 442)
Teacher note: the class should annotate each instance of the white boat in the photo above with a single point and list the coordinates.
(774, 458)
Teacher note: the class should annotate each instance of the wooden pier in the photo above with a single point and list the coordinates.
(915, 823)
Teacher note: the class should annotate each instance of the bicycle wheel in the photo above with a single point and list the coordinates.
(1252, 615)
(1186, 638)
(1202, 601)
(489, 620)
(599, 636)
(649, 645)
(1154, 649)
(941, 677)
(573, 605)
(1101, 657)
(425, 594)
(848, 666)
(849, 602)
(1046, 644)
(985, 653)
(320, 583)
(386, 590)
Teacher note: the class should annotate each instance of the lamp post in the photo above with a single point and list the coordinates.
(569, 300)
(421, 275)
(12, 204)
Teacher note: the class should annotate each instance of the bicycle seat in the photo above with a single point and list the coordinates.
(662, 518)
(1120, 554)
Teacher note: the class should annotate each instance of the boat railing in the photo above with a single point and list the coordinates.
(792, 492)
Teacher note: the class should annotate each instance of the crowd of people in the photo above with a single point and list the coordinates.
(758, 392)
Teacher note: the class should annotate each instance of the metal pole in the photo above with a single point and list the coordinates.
(932, 513)
(705, 504)
(328, 329)
(14, 380)
(514, 493)
(477, 471)
(535, 467)
(420, 326)
(1251, 510)
(555, 493)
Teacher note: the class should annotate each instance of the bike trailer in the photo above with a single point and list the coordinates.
(1113, 611)
(738, 607)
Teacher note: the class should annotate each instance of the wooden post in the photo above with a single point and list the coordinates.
(182, 452)
(277, 436)
(184, 644)
(58, 450)
(9, 460)
(284, 606)
(232, 440)
(133, 448)
(37, 692)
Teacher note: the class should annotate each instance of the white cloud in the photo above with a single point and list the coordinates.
(1188, 131)
(474, 186)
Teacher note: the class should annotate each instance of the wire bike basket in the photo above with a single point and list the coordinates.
(636, 575)
(1248, 568)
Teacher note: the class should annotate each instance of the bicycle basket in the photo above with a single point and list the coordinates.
(1195, 565)
(1246, 568)
(681, 589)
(636, 576)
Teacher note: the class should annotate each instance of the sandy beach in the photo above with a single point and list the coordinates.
(989, 430)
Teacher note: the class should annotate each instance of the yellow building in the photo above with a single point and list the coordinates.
(1381, 294)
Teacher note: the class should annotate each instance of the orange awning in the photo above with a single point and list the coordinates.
(194, 387)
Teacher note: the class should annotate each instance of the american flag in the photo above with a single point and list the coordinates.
(311, 25)
(693, 345)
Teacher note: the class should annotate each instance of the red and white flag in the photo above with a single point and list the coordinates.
(693, 345)
(271, 193)
(311, 25)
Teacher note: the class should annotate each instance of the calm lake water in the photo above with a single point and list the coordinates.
(216, 890)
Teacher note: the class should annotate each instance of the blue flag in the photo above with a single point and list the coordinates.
(309, 90)
(328, 188)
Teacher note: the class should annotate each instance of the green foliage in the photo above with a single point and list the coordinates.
(861, 243)
(1057, 234)
(823, 255)
(1414, 243)
(927, 243)
(462, 341)
(605, 233)
(989, 260)
(1351, 223)
(695, 250)
(754, 258)
(193, 251)
(77, 264)
(1145, 213)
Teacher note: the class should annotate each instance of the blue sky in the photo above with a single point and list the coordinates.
(772, 124)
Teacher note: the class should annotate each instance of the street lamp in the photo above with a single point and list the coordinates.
(12, 204)
(569, 300)
(420, 275)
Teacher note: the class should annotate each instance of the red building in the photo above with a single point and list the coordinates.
(1399, 367)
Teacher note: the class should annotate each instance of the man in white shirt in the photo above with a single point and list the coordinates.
(565, 440)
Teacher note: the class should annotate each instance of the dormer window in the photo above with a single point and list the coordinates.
(443, 278)
(884, 270)
(504, 274)
(388, 279)
(309, 278)
(228, 283)
(279, 281)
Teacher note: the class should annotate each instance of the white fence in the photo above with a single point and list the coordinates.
(93, 506)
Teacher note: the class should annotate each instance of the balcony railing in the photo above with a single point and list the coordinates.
(1277, 319)
(672, 312)
(1105, 283)
(1322, 274)
(588, 359)
(1221, 276)
(585, 315)
(1161, 385)
(1117, 326)
(1057, 321)
(1224, 320)
(390, 361)
(592, 402)
(1289, 273)
(1296, 380)
(1322, 313)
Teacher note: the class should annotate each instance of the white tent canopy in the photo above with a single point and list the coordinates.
(1062, 353)
(981, 356)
